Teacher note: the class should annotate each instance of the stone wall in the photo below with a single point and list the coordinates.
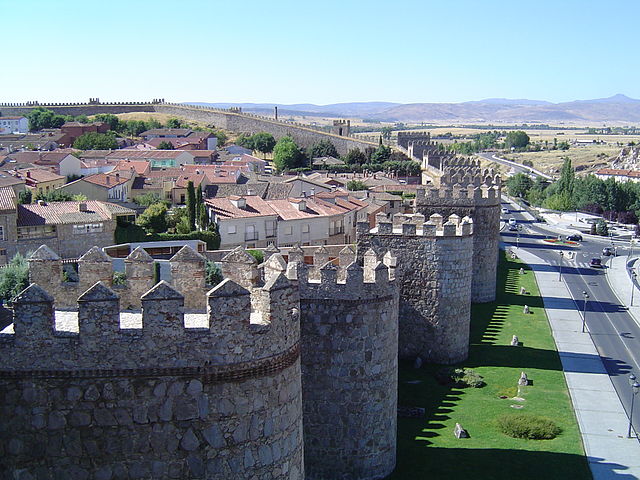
(304, 135)
(234, 121)
(434, 265)
(476, 196)
(105, 395)
(187, 276)
(349, 342)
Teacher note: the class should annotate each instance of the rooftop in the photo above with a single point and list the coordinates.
(59, 213)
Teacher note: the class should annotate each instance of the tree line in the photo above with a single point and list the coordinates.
(616, 201)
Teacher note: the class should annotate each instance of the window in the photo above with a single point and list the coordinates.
(87, 228)
(288, 230)
(231, 229)
(270, 228)
(305, 228)
(250, 233)
(39, 231)
(2, 233)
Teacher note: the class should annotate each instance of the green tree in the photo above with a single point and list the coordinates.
(355, 185)
(25, 197)
(96, 141)
(14, 277)
(516, 139)
(191, 205)
(567, 178)
(147, 199)
(54, 196)
(154, 218)
(174, 123)
(602, 228)
(519, 185)
(323, 148)
(564, 145)
(263, 142)
(112, 120)
(166, 145)
(386, 133)
(355, 157)
(213, 273)
(381, 154)
(40, 118)
(287, 155)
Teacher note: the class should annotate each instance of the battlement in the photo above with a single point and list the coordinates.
(101, 336)
(415, 225)
(487, 193)
(92, 101)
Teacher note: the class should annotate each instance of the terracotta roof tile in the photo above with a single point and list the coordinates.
(256, 207)
(58, 213)
(7, 199)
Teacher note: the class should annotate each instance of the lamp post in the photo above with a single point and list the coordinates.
(635, 386)
(585, 296)
(633, 285)
(561, 255)
(518, 236)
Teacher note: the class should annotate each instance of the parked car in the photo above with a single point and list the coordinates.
(606, 251)
(513, 228)
(505, 210)
(574, 238)
(595, 263)
(512, 221)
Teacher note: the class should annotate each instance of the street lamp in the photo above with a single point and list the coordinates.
(635, 386)
(585, 295)
(633, 284)
(561, 255)
(518, 236)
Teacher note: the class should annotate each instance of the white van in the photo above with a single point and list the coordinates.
(512, 221)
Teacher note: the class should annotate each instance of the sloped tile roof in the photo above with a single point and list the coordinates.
(60, 213)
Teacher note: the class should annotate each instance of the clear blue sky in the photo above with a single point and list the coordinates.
(318, 52)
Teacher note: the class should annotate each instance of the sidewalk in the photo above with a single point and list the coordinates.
(601, 418)
(619, 278)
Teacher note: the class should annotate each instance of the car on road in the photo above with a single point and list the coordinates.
(595, 263)
(574, 238)
(513, 228)
(505, 210)
(607, 251)
(512, 221)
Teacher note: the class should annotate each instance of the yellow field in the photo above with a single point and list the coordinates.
(585, 159)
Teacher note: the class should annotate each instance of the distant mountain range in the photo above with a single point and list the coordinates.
(616, 109)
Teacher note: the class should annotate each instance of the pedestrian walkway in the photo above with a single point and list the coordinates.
(602, 420)
(619, 278)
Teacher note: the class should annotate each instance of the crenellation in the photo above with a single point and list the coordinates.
(188, 277)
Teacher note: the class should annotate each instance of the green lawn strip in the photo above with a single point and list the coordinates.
(427, 446)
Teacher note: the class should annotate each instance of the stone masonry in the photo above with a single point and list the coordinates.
(466, 191)
(434, 260)
(107, 394)
(349, 341)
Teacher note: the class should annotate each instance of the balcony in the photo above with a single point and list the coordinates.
(336, 231)
(270, 233)
(250, 236)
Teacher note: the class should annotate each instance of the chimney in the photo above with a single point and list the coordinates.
(117, 176)
(82, 207)
(28, 173)
(250, 192)
(304, 194)
(108, 180)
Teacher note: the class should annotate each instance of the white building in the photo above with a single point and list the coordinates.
(254, 222)
(14, 125)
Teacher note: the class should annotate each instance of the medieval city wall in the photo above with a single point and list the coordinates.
(109, 394)
(477, 196)
(433, 266)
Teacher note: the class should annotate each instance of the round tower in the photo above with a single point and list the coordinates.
(99, 393)
(466, 191)
(434, 269)
(349, 368)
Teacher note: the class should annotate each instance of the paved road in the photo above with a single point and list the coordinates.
(517, 168)
(614, 332)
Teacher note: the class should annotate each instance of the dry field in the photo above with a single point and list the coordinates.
(585, 159)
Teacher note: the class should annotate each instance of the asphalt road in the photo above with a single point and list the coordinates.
(517, 168)
(614, 332)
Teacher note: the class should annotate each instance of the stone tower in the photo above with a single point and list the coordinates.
(349, 331)
(101, 394)
(460, 187)
(433, 267)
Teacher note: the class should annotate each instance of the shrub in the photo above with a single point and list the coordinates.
(14, 277)
(257, 254)
(459, 377)
(531, 427)
(213, 273)
(119, 278)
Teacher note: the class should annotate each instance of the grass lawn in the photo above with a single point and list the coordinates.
(427, 447)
